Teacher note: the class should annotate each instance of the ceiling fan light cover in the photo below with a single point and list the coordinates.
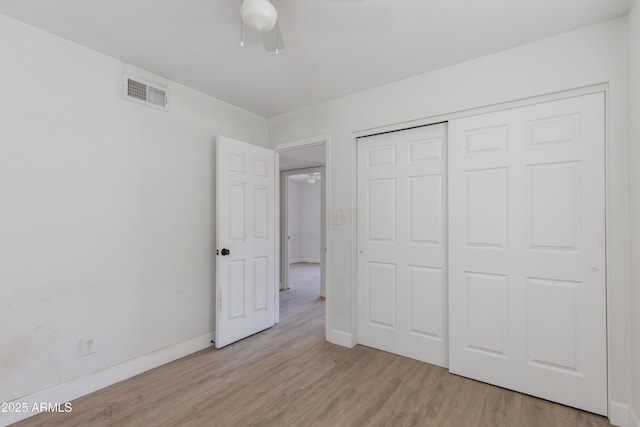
(259, 14)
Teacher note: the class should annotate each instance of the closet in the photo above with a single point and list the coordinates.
(498, 271)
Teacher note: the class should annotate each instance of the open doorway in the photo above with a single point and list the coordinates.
(302, 239)
(302, 221)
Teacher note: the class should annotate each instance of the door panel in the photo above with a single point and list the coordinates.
(487, 313)
(553, 206)
(527, 250)
(382, 210)
(486, 207)
(552, 320)
(401, 238)
(425, 209)
(382, 294)
(425, 294)
(245, 224)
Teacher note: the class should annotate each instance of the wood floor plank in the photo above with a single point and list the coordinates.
(290, 376)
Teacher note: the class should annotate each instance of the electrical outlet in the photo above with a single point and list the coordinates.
(87, 346)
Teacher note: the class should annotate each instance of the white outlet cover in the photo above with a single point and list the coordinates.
(87, 346)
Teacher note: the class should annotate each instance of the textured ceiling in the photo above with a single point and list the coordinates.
(333, 47)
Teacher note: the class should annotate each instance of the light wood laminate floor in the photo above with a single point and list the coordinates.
(290, 376)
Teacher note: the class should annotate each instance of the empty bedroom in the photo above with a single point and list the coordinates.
(320, 213)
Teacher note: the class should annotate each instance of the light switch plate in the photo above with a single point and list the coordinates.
(336, 218)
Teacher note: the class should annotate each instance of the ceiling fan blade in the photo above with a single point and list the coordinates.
(273, 39)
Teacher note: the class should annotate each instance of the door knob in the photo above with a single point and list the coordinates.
(225, 252)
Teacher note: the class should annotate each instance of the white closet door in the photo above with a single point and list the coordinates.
(402, 298)
(527, 250)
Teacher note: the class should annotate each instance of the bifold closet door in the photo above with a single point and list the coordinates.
(527, 250)
(402, 295)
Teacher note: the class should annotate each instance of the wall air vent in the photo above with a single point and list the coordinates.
(144, 92)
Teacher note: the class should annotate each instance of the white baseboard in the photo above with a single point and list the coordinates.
(294, 260)
(341, 338)
(622, 415)
(312, 260)
(634, 419)
(619, 414)
(74, 389)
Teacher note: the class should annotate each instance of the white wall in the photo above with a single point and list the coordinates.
(294, 217)
(584, 57)
(106, 211)
(304, 221)
(633, 74)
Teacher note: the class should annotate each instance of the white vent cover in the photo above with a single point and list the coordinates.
(144, 92)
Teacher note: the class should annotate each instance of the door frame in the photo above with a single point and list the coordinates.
(284, 225)
(326, 182)
(616, 410)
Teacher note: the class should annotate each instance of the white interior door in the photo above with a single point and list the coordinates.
(246, 273)
(402, 297)
(527, 250)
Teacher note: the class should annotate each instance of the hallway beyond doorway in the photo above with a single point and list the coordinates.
(305, 275)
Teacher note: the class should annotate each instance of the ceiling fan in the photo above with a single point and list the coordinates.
(261, 15)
